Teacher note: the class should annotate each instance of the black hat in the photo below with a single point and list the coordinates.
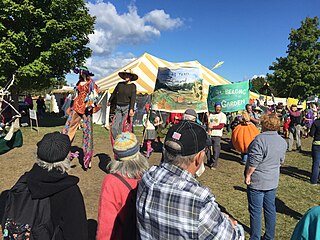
(53, 147)
(128, 72)
(191, 137)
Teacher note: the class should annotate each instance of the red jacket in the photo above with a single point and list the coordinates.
(113, 197)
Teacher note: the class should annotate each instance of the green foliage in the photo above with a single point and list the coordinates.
(259, 84)
(298, 74)
(42, 40)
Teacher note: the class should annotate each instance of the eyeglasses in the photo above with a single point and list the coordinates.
(206, 149)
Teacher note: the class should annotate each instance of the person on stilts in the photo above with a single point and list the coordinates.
(83, 107)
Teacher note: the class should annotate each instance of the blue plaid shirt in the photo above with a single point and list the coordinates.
(171, 204)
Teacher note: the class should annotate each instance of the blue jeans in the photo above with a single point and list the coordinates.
(315, 163)
(244, 157)
(258, 199)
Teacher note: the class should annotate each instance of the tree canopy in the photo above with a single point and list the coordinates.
(42, 40)
(298, 74)
(261, 86)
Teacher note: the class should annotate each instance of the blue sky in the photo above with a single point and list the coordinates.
(247, 35)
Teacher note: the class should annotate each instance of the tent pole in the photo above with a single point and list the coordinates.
(107, 124)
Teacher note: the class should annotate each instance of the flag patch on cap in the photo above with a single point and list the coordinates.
(176, 136)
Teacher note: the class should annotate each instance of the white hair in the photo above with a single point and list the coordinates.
(133, 168)
(189, 117)
(63, 166)
(178, 160)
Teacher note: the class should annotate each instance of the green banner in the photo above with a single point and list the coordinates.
(233, 97)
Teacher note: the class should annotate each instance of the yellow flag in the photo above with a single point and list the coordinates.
(218, 65)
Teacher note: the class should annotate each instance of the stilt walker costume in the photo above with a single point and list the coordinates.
(125, 96)
(83, 107)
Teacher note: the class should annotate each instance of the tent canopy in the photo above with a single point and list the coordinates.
(64, 89)
(146, 67)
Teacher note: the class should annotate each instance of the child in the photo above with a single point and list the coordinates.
(150, 123)
(285, 127)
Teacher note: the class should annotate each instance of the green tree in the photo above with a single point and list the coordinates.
(41, 40)
(298, 74)
(261, 85)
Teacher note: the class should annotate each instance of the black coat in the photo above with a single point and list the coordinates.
(67, 205)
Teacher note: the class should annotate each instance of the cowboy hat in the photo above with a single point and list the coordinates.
(257, 109)
(127, 72)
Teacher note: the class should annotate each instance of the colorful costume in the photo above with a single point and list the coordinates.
(83, 107)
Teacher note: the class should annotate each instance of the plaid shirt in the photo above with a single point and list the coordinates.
(171, 204)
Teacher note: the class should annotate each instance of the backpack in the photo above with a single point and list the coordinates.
(125, 224)
(26, 218)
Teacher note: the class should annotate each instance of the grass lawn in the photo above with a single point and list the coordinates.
(295, 195)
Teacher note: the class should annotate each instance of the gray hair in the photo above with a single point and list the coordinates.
(133, 168)
(63, 166)
(189, 117)
(178, 160)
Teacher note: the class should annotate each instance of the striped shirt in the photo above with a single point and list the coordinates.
(171, 204)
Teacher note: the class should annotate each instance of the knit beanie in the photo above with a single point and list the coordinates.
(53, 147)
(126, 146)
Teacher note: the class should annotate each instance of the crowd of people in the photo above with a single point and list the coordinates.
(167, 201)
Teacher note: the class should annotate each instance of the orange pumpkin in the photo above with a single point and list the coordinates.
(243, 135)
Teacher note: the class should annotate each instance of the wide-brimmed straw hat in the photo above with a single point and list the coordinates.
(257, 109)
(129, 72)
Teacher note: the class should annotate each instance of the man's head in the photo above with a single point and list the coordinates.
(53, 150)
(185, 145)
(294, 107)
(249, 108)
(217, 107)
(190, 114)
(128, 75)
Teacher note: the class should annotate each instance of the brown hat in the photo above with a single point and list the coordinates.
(128, 72)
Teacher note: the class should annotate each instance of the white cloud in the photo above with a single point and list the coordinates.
(102, 67)
(255, 76)
(113, 29)
(162, 20)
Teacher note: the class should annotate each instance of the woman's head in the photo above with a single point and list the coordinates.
(129, 161)
(84, 74)
(53, 150)
(270, 123)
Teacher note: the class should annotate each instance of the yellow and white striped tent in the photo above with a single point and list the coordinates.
(146, 67)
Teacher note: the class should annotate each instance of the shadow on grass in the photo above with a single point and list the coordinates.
(81, 154)
(245, 227)
(280, 206)
(104, 159)
(306, 153)
(92, 229)
(296, 173)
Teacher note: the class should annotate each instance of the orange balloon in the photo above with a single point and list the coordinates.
(243, 135)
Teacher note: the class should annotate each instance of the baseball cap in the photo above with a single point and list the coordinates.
(191, 137)
(191, 112)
